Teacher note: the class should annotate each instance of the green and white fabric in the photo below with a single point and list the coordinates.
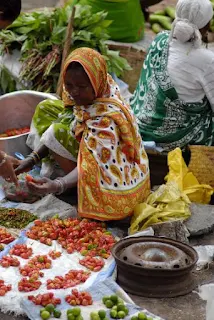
(54, 121)
(163, 117)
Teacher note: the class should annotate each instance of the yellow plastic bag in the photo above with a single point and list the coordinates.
(187, 182)
(167, 203)
(171, 201)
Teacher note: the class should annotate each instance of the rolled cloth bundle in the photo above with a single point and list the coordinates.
(191, 16)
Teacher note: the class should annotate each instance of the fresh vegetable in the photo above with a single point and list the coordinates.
(14, 132)
(170, 11)
(15, 218)
(71, 279)
(46, 300)
(40, 37)
(45, 315)
(162, 19)
(156, 28)
(57, 313)
(74, 314)
(77, 298)
(141, 316)
(50, 307)
(164, 22)
(4, 288)
(93, 264)
(28, 178)
(54, 254)
(27, 285)
(8, 261)
(22, 251)
(5, 236)
(117, 306)
(31, 271)
(89, 238)
(34, 266)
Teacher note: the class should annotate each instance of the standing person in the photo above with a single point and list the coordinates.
(174, 99)
(9, 11)
(94, 138)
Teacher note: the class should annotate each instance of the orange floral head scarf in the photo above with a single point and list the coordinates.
(94, 65)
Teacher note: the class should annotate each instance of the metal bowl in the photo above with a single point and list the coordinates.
(17, 109)
(155, 255)
(145, 279)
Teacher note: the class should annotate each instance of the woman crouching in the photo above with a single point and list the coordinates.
(94, 138)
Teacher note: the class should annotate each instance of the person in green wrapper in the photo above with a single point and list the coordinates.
(126, 16)
(174, 99)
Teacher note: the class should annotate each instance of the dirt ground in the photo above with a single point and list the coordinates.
(189, 307)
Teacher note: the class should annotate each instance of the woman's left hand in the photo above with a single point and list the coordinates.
(43, 186)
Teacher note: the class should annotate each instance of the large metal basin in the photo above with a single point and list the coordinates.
(16, 111)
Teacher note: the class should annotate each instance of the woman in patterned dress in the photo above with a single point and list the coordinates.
(174, 99)
(94, 138)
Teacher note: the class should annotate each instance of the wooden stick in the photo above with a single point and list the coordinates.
(66, 51)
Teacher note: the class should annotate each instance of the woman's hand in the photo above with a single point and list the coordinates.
(43, 186)
(24, 166)
(7, 168)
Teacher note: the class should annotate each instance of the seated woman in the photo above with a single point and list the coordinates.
(174, 99)
(94, 138)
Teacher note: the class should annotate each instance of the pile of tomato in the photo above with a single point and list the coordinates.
(8, 261)
(21, 250)
(4, 288)
(71, 279)
(88, 238)
(44, 299)
(14, 132)
(40, 262)
(34, 266)
(28, 285)
(54, 254)
(5, 236)
(77, 298)
(93, 264)
(32, 272)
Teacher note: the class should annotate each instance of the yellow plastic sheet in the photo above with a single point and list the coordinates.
(171, 201)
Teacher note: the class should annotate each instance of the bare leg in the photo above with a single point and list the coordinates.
(66, 165)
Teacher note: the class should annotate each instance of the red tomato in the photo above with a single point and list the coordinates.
(28, 178)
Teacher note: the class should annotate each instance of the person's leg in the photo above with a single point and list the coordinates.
(65, 164)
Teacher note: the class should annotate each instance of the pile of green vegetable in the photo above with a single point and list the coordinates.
(40, 37)
(15, 218)
(162, 20)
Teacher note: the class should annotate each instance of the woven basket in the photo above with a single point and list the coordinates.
(135, 58)
(202, 164)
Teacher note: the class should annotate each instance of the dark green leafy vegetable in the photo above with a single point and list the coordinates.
(15, 218)
(40, 37)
